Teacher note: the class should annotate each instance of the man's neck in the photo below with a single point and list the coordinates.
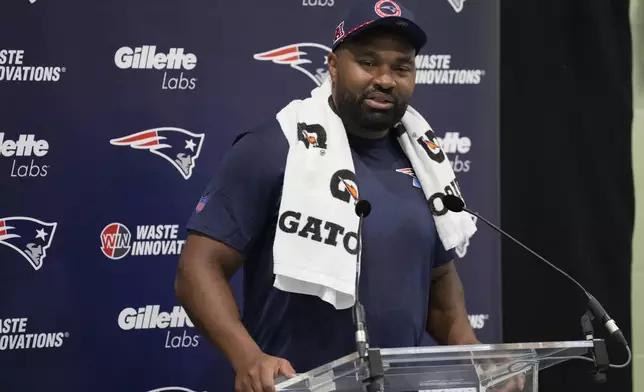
(355, 130)
(373, 135)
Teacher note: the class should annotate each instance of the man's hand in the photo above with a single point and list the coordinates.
(258, 374)
(514, 384)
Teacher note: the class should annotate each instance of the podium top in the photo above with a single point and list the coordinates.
(440, 367)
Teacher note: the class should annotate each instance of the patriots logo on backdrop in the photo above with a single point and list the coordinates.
(179, 147)
(29, 237)
(308, 58)
(172, 389)
(410, 172)
(457, 4)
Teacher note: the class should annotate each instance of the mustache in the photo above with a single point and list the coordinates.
(380, 95)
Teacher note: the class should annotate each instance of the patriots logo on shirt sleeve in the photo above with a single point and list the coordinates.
(308, 58)
(179, 147)
(28, 236)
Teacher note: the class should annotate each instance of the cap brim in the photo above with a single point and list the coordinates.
(411, 30)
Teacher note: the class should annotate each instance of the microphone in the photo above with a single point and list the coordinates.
(375, 369)
(363, 209)
(456, 204)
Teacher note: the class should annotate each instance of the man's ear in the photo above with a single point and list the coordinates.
(332, 60)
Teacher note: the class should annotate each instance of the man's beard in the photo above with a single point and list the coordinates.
(354, 110)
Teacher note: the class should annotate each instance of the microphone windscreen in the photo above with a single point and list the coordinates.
(363, 208)
(453, 203)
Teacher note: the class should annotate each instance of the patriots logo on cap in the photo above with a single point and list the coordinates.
(179, 147)
(308, 58)
(29, 237)
(385, 8)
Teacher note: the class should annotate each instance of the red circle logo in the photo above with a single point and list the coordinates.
(386, 8)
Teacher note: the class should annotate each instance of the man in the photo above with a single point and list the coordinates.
(408, 282)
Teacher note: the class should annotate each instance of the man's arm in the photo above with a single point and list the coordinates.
(233, 213)
(202, 286)
(448, 322)
(447, 318)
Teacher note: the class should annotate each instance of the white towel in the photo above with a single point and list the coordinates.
(315, 243)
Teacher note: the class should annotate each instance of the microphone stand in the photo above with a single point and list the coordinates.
(369, 356)
(599, 352)
(594, 310)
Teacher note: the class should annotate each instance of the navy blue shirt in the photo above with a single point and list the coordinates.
(400, 248)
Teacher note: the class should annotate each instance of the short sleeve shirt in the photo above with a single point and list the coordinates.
(240, 208)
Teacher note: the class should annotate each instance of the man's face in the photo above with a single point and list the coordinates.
(374, 78)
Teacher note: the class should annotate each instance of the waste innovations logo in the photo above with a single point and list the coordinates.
(151, 240)
(173, 64)
(477, 321)
(15, 334)
(177, 146)
(13, 68)
(25, 152)
(437, 69)
(29, 237)
(311, 60)
(150, 317)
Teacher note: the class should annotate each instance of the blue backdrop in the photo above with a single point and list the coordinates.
(92, 209)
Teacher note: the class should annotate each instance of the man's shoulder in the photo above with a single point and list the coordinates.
(266, 131)
(262, 148)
